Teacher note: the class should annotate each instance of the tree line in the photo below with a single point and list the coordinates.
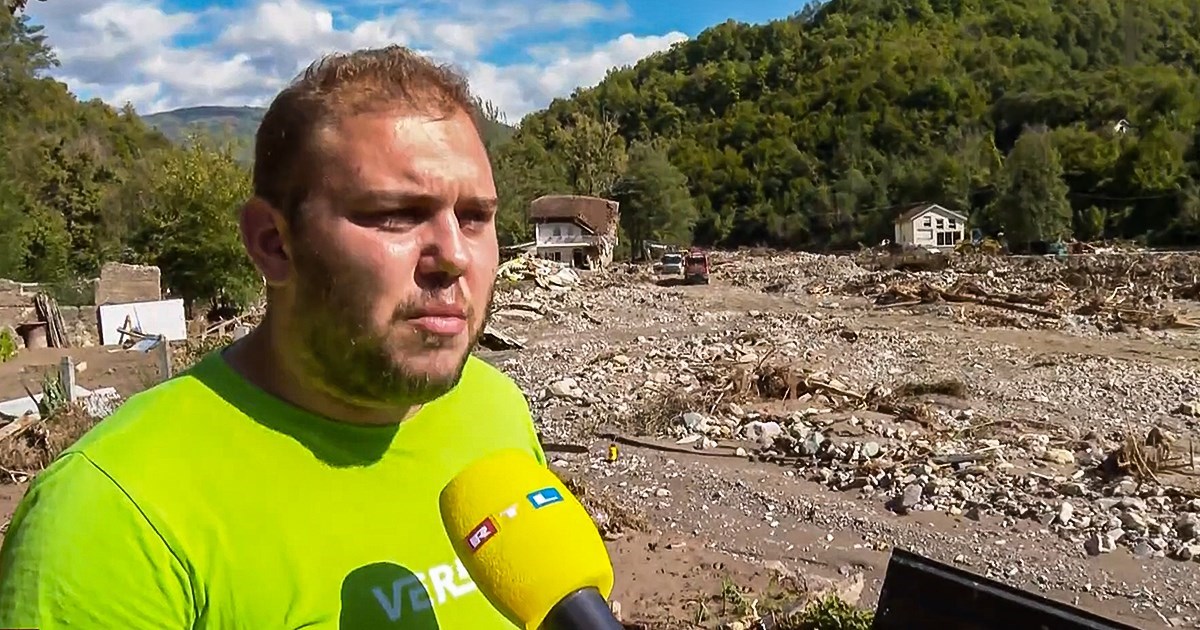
(1045, 120)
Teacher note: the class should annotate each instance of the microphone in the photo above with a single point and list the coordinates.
(528, 544)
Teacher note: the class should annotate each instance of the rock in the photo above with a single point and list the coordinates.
(1065, 512)
(1189, 408)
(909, 498)
(1058, 456)
(565, 388)
(1187, 526)
(1133, 520)
(694, 422)
(764, 433)
(811, 445)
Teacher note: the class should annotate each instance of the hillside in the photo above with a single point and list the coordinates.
(231, 122)
(240, 123)
(807, 132)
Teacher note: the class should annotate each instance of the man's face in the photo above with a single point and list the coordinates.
(394, 257)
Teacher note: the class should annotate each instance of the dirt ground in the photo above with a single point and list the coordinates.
(710, 522)
(127, 371)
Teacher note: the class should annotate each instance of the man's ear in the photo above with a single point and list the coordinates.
(265, 237)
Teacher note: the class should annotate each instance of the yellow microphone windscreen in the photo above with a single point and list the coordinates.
(526, 541)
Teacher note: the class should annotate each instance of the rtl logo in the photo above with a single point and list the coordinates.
(482, 533)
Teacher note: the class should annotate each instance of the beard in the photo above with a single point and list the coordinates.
(355, 362)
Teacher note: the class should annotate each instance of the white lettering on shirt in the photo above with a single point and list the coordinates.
(447, 581)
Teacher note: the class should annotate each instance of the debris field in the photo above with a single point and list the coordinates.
(1049, 406)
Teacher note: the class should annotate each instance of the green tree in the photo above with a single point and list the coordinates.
(524, 170)
(74, 184)
(656, 205)
(592, 152)
(190, 229)
(45, 246)
(1031, 200)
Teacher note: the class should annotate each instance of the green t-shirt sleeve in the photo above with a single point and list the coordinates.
(80, 554)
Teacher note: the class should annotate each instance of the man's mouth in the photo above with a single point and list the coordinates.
(443, 321)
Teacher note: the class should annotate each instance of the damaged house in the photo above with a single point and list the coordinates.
(574, 229)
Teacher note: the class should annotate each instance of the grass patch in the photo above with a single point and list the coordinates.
(783, 605)
(944, 387)
(830, 613)
(659, 411)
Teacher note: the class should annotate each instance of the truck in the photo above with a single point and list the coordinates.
(695, 267)
(671, 264)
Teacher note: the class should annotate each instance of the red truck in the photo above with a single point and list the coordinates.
(695, 267)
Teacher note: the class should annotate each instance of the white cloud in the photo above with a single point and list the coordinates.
(141, 52)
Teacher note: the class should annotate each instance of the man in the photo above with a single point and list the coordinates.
(291, 481)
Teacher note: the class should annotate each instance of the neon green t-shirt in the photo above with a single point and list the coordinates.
(206, 503)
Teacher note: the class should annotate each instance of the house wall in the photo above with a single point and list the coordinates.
(561, 253)
(924, 228)
(557, 231)
(904, 232)
(558, 241)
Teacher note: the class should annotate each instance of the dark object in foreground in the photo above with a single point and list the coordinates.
(921, 593)
(584, 609)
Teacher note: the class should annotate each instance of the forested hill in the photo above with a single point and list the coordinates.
(808, 132)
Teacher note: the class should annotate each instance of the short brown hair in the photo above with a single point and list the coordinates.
(338, 85)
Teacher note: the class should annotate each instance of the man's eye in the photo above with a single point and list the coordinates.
(397, 219)
(474, 218)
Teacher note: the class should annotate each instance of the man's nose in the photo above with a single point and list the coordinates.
(447, 250)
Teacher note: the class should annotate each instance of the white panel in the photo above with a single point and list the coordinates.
(164, 317)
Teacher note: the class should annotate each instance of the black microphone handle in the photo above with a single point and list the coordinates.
(584, 609)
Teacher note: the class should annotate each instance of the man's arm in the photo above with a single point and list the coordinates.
(80, 554)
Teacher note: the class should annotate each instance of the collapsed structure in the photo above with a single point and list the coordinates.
(575, 229)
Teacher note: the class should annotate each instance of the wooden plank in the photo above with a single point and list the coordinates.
(18, 426)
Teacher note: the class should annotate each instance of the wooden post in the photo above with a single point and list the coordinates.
(164, 357)
(66, 376)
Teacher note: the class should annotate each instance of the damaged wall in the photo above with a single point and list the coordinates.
(600, 215)
(118, 284)
(122, 284)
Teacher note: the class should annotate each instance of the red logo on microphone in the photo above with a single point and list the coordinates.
(482, 533)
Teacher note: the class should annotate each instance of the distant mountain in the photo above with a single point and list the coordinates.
(240, 124)
(223, 122)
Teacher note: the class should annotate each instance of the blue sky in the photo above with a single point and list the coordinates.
(520, 54)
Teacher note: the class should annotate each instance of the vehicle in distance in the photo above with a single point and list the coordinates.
(695, 268)
(671, 265)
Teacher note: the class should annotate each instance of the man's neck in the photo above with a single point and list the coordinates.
(264, 359)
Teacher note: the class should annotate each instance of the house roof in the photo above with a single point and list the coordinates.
(910, 212)
(597, 214)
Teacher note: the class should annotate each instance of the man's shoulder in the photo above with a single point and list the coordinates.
(478, 375)
(155, 418)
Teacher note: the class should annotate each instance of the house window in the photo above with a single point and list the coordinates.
(928, 222)
(953, 224)
(556, 256)
(941, 224)
(558, 230)
(946, 239)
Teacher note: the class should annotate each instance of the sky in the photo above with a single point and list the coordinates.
(519, 54)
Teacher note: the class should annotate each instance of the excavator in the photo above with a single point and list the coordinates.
(980, 244)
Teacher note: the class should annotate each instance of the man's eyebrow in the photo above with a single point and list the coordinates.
(391, 198)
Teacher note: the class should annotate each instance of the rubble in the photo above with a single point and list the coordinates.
(1092, 448)
(547, 274)
(1113, 291)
